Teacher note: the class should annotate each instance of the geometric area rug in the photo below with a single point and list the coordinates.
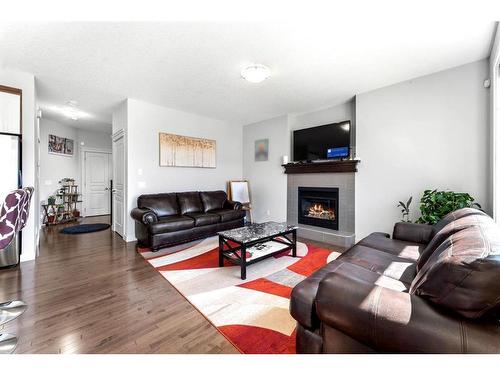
(253, 314)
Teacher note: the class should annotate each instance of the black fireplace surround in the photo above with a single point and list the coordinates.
(319, 207)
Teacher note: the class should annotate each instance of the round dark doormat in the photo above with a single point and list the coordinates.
(85, 228)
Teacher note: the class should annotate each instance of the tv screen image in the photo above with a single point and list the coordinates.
(322, 142)
(337, 152)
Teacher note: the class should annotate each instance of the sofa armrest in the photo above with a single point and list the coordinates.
(382, 234)
(232, 205)
(393, 321)
(412, 232)
(303, 297)
(144, 215)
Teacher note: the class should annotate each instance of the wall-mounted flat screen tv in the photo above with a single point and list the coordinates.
(322, 142)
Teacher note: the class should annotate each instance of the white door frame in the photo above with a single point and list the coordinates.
(83, 176)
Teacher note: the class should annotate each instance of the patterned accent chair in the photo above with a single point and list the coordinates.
(25, 207)
(14, 214)
(10, 218)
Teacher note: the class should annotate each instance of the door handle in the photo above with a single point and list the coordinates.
(113, 190)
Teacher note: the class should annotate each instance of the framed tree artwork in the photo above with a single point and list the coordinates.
(181, 151)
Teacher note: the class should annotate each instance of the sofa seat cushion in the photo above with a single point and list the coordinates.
(229, 215)
(365, 275)
(402, 249)
(171, 223)
(381, 263)
(204, 218)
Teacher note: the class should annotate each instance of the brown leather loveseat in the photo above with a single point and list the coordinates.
(169, 219)
(429, 289)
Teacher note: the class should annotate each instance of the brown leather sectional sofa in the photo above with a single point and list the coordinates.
(169, 219)
(429, 289)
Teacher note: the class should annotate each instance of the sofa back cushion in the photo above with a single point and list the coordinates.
(190, 202)
(462, 274)
(161, 204)
(213, 200)
(441, 231)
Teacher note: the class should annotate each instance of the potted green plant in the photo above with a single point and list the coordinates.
(434, 204)
(405, 210)
(51, 199)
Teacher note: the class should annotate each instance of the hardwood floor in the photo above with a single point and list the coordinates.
(93, 293)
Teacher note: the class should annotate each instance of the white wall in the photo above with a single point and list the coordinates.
(428, 133)
(94, 139)
(144, 122)
(55, 167)
(26, 82)
(268, 184)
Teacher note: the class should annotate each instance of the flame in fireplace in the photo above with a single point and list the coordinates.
(318, 211)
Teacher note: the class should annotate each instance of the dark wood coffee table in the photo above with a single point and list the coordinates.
(260, 241)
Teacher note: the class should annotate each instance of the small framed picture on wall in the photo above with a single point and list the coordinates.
(262, 149)
(61, 146)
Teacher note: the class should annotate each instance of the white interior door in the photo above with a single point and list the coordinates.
(97, 177)
(118, 184)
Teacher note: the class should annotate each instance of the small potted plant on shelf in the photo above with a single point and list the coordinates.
(51, 218)
(51, 200)
(67, 181)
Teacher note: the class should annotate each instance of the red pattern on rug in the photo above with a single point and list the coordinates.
(268, 286)
(315, 259)
(209, 259)
(250, 340)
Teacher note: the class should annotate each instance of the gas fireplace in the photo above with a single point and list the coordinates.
(319, 207)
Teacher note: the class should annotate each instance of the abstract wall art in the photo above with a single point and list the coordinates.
(60, 145)
(181, 151)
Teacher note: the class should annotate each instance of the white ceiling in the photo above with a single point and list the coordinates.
(194, 66)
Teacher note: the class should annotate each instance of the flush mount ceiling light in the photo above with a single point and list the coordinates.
(72, 111)
(256, 73)
(69, 110)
